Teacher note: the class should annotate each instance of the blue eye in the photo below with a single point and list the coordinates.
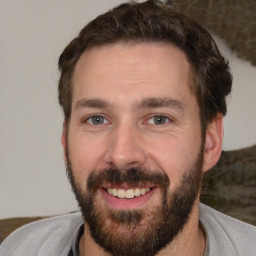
(158, 120)
(97, 120)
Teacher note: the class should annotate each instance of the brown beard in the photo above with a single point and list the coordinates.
(137, 232)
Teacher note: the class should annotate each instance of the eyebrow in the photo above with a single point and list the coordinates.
(145, 103)
(161, 102)
(91, 103)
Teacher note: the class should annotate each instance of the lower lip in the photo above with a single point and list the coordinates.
(126, 204)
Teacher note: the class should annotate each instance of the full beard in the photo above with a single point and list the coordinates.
(141, 232)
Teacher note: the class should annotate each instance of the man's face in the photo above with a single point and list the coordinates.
(133, 145)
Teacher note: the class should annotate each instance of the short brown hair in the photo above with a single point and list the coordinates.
(154, 21)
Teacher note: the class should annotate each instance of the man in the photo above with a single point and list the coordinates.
(143, 93)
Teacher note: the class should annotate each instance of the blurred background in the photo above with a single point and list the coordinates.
(33, 34)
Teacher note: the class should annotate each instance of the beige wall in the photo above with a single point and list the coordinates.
(33, 34)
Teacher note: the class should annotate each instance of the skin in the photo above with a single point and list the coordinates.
(125, 77)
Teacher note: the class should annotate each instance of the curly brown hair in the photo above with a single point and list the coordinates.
(155, 21)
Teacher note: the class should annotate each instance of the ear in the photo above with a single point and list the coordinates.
(213, 142)
(64, 140)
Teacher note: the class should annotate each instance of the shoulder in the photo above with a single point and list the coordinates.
(226, 234)
(51, 236)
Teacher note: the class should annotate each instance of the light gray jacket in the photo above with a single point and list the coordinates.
(56, 236)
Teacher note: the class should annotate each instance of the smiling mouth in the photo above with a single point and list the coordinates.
(128, 193)
(126, 197)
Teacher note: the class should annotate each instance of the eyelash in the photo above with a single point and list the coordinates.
(95, 116)
(153, 117)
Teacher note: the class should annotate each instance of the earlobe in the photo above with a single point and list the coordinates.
(64, 141)
(213, 142)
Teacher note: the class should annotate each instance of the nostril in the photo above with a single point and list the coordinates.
(134, 165)
(126, 166)
(124, 152)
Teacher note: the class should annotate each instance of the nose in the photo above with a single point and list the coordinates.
(126, 148)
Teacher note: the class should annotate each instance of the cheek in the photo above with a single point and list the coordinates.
(175, 156)
(85, 156)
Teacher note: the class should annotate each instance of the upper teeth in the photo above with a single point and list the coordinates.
(129, 193)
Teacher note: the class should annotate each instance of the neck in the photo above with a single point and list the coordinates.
(190, 242)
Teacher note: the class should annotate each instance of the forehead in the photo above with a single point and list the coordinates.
(132, 70)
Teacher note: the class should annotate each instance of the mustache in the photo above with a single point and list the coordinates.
(132, 177)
